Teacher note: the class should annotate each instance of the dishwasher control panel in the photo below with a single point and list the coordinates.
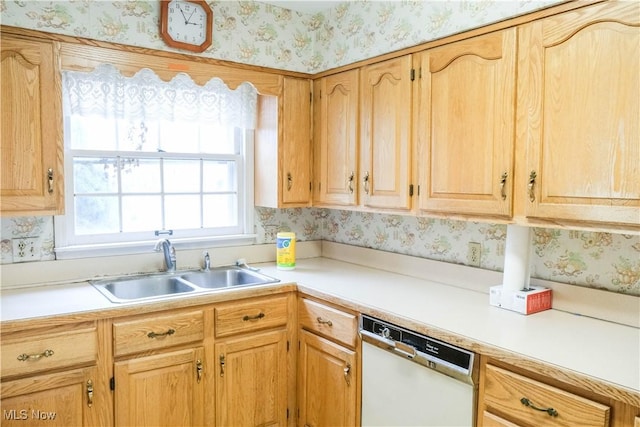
(430, 352)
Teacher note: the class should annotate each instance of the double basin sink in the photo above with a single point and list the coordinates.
(154, 286)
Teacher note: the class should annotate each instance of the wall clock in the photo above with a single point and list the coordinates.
(186, 24)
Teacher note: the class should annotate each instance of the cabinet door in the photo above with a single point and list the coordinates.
(578, 103)
(328, 383)
(465, 126)
(31, 137)
(295, 147)
(386, 146)
(251, 383)
(62, 399)
(161, 390)
(336, 137)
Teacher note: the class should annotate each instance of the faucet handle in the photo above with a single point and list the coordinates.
(207, 261)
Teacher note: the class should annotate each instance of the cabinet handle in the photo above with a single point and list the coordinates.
(24, 357)
(289, 181)
(50, 179)
(161, 334)
(199, 370)
(526, 402)
(365, 182)
(89, 393)
(222, 365)
(347, 372)
(531, 185)
(324, 322)
(350, 182)
(503, 181)
(256, 317)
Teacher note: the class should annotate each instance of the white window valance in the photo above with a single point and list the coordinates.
(105, 92)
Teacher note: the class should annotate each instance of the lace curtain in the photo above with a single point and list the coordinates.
(107, 93)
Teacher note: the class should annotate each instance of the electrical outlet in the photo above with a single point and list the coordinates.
(473, 254)
(24, 249)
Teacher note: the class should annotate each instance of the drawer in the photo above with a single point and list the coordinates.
(328, 321)
(491, 420)
(250, 315)
(157, 331)
(505, 392)
(49, 351)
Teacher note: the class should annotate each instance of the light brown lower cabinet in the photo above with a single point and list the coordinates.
(63, 399)
(159, 369)
(327, 383)
(50, 377)
(165, 389)
(510, 399)
(251, 380)
(328, 366)
(252, 361)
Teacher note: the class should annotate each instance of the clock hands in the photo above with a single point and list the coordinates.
(186, 21)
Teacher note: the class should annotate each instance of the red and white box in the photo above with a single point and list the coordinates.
(526, 301)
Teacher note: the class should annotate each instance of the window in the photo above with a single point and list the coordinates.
(147, 158)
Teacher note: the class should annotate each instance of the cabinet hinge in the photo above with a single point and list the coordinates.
(112, 383)
(310, 97)
(287, 346)
(310, 187)
(410, 190)
(418, 191)
(287, 413)
(413, 74)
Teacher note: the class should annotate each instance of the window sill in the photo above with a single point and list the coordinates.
(146, 246)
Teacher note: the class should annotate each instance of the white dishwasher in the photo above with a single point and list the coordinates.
(409, 379)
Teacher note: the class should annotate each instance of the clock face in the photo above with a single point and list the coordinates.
(186, 24)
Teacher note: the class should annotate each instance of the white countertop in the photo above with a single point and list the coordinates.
(599, 349)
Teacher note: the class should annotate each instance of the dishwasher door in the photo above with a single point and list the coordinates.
(399, 392)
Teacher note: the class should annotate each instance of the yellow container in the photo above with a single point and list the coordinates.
(286, 251)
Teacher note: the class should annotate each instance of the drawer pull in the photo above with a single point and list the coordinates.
(89, 393)
(199, 370)
(347, 371)
(526, 402)
(161, 334)
(531, 185)
(503, 181)
(50, 180)
(256, 317)
(324, 322)
(24, 357)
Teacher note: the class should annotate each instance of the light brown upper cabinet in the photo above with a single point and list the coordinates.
(578, 107)
(465, 125)
(386, 143)
(283, 147)
(31, 141)
(336, 106)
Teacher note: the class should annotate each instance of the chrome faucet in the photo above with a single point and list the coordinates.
(169, 253)
(207, 261)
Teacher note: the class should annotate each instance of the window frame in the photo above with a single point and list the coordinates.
(68, 246)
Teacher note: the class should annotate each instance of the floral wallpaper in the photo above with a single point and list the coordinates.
(584, 258)
(260, 34)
